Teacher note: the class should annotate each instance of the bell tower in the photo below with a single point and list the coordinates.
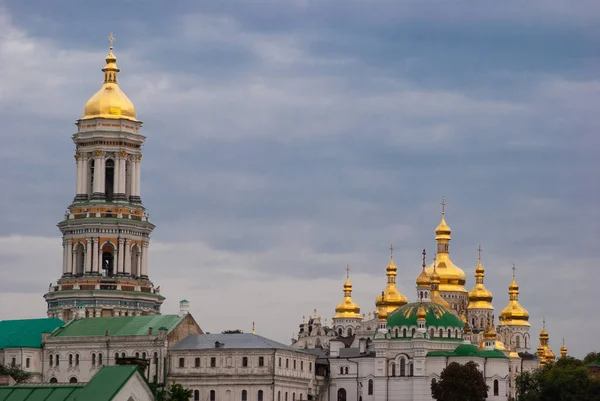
(106, 230)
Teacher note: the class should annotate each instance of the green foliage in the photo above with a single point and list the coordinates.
(591, 357)
(175, 392)
(16, 373)
(460, 383)
(566, 380)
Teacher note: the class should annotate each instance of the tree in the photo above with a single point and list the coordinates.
(591, 357)
(566, 380)
(15, 372)
(175, 392)
(460, 383)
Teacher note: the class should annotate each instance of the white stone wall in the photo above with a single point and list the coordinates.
(23, 357)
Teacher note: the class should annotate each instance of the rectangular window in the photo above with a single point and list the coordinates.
(197, 362)
(279, 361)
(13, 362)
(261, 361)
(182, 362)
(245, 362)
(287, 364)
(27, 362)
(213, 362)
(294, 364)
(301, 365)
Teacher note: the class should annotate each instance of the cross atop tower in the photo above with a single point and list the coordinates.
(347, 271)
(111, 39)
(391, 250)
(479, 252)
(543, 322)
(514, 269)
(443, 206)
(424, 253)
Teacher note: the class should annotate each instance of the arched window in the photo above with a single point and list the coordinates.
(197, 362)
(293, 396)
(108, 251)
(393, 369)
(70, 359)
(346, 370)
(90, 178)
(431, 333)
(411, 370)
(449, 333)
(109, 179)
(136, 257)
(93, 359)
(294, 364)
(310, 366)
(244, 395)
(137, 355)
(414, 332)
(53, 380)
(196, 395)
(341, 370)
(156, 358)
(73, 380)
(421, 295)
(260, 395)
(57, 360)
(340, 331)
(441, 333)
(143, 355)
(402, 367)
(245, 362)
(77, 360)
(279, 396)
(396, 332)
(341, 395)
(51, 360)
(349, 332)
(370, 390)
(496, 391)
(287, 363)
(122, 355)
(300, 396)
(79, 259)
(286, 397)
(482, 322)
(261, 361)
(403, 332)
(100, 359)
(473, 322)
(213, 395)
(182, 362)
(525, 341)
(518, 341)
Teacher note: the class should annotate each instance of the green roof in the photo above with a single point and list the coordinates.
(470, 350)
(594, 363)
(40, 393)
(437, 316)
(26, 333)
(117, 326)
(104, 386)
(107, 382)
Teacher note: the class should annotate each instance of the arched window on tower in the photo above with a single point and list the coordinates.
(396, 332)
(349, 332)
(431, 332)
(414, 331)
(370, 387)
(411, 370)
(403, 332)
(518, 341)
(127, 179)
(496, 390)
(90, 178)
(341, 395)
(393, 369)
(135, 260)
(108, 259)
(109, 179)
(79, 259)
(441, 333)
(402, 367)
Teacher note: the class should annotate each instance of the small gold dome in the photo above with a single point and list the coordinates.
(514, 314)
(435, 290)
(563, 350)
(110, 101)
(423, 279)
(513, 354)
(390, 299)
(347, 308)
(480, 297)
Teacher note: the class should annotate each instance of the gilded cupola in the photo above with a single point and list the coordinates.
(452, 277)
(480, 297)
(423, 280)
(435, 288)
(563, 350)
(110, 101)
(347, 309)
(549, 356)
(514, 314)
(490, 338)
(390, 299)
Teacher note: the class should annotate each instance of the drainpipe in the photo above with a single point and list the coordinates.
(273, 381)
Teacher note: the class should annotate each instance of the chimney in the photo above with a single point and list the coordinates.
(362, 345)
(334, 348)
(149, 331)
(184, 306)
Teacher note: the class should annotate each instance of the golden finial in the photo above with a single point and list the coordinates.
(315, 311)
(111, 39)
(544, 323)
(391, 251)
(424, 253)
(479, 252)
(443, 206)
(514, 269)
(253, 332)
(347, 271)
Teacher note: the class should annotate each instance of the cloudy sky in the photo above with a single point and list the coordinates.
(287, 138)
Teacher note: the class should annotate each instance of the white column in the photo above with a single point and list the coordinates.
(144, 258)
(77, 174)
(116, 176)
(132, 189)
(95, 253)
(97, 172)
(99, 264)
(69, 256)
(127, 257)
(88, 256)
(102, 163)
(84, 174)
(139, 265)
(64, 256)
(122, 172)
(120, 259)
(137, 176)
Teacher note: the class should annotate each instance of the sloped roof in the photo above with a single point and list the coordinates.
(104, 386)
(230, 341)
(118, 326)
(26, 333)
(437, 316)
(470, 350)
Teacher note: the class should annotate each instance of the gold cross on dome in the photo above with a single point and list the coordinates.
(514, 269)
(347, 271)
(391, 250)
(424, 253)
(111, 39)
(479, 252)
(443, 206)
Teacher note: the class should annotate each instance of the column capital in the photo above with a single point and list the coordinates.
(127, 241)
(145, 244)
(98, 153)
(122, 155)
(78, 156)
(139, 158)
(121, 240)
(68, 241)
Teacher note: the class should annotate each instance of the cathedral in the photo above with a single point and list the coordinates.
(397, 352)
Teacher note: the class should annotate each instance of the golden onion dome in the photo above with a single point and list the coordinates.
(514, 314)
(452, 277)
(467, 329)
(435, 290)
(110, 101)
(563, 350)
(480, 297)
(390, 299)
(421, 314)
(347, 309)
(423, 280)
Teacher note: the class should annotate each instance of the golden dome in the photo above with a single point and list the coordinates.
(452, 277)
(480, 297)
(563, 350)
(390, 299)
(513, 354)
(421, 314)
(514, 314)
(423, 279)
(435, 289)
(347, 309)
(110, 101)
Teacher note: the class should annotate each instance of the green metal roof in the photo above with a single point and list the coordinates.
(107, 382)
(40, 393)
(470, 350)
(26, 333)
(104, 386)
(437, 316)
(117, 326)
(594, 363)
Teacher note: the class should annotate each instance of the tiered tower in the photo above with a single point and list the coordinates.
(452, 277)
(390, 299)
(105, 230)
(514, 320)
(480, 309)
(347, 316)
